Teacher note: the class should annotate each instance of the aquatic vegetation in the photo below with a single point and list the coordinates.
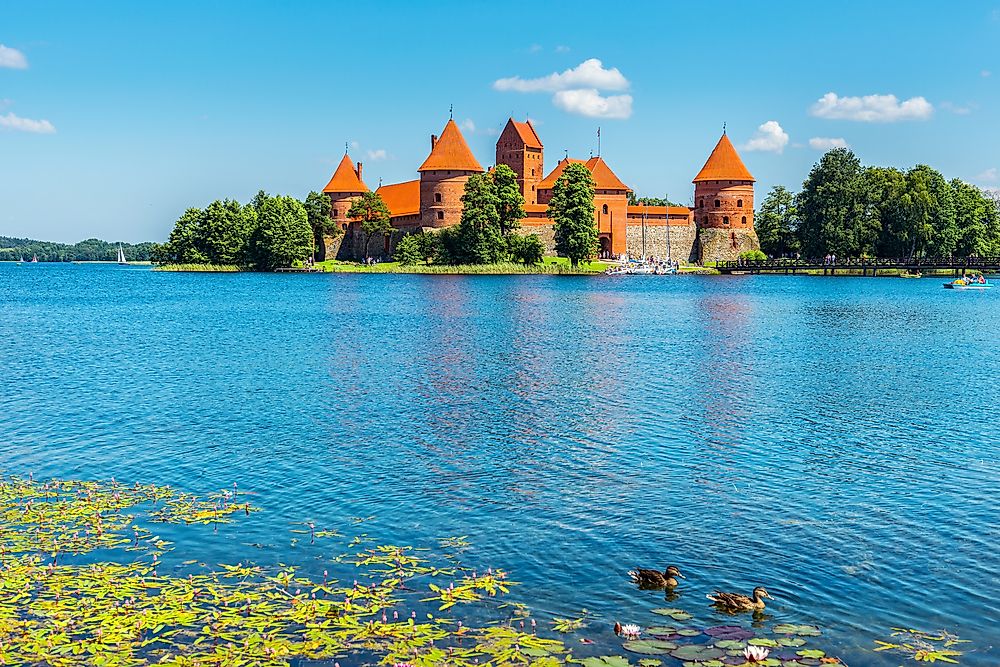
(923, 646)
(569, 624)
(755, 653)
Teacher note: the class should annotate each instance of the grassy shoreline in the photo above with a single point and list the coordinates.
(199, 268)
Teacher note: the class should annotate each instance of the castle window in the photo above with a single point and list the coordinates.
(717, 203)
(605, 209)
(441, 215)
(335, 213)
(532, 188)
(706, 219)
(744, 220)
(385, 245)
(344, 226)
(532, 172)
(701, 203)
(725, 219)
(739, 203)
(437, 197)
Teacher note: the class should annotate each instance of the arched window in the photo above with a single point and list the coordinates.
(701, 203)
(437, 197)
(532, 188)
(440, 215)
(604, 209)
(725, 219)
(744, 220)
(706, 219)
(718, 203)
(739, 203)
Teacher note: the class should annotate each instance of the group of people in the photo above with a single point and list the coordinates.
(830, 260)
(974, 278)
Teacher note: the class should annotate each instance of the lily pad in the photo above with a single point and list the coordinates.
(730, 644)
(650, 662)
(661, 630)
(791, 641)
(606, 661)
(729, 632)
(793, 629)
(676, 614)
(812, 653)
(649, 646)
(699, 652)
(762, 641)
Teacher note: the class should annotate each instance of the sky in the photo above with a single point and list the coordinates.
(115, 117)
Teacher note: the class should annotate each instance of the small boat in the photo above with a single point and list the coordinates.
(643, 270)
(34, 259)
(121, 255)
(911, 274)
(968, 285)
(20, 260)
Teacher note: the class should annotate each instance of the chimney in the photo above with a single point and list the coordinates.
(359, 171)
(434, 140)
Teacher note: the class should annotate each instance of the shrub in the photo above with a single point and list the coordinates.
(752, 256)
(408, 250)
(526, 249)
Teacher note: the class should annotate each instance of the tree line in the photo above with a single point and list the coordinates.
(850, 210)
(266, 233)
(90, 250)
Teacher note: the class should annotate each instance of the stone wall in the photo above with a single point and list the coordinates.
(717, 245)
(547, 233)
(683, 242)
(352, 244)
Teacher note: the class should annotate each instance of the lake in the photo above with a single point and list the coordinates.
(833, 439)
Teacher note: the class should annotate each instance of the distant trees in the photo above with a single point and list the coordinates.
(633, 200)
(572, 210)
(266, 233)
(373, 214)
(318, 207)
(88, 250)
(850, 210)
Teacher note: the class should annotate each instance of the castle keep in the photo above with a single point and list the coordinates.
(718, 227)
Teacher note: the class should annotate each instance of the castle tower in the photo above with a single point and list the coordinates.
(520, 149)
(442, 178)
(344, 187)
(723, 205)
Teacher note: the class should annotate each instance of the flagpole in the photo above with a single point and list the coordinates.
(666, 209)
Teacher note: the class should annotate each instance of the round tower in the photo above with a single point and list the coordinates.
(343, 189)
(442, 178)
(723, 205)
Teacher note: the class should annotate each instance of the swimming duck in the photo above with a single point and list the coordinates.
(734, 602)
(655, 578)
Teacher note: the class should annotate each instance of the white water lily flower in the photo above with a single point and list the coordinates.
(755, 653)
(631, 631)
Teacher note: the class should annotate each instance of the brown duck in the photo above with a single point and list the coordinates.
(734, 602)
(655, 578)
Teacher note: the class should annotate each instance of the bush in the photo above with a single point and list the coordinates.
(408, 250)
(526, 249)
(752, 256)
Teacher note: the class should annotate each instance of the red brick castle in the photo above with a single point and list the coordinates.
(718, 227)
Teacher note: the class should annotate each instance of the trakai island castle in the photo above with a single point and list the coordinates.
(719, 227)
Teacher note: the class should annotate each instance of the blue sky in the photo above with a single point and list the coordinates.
(116, 116)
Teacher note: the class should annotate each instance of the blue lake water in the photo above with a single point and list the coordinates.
(834, 439)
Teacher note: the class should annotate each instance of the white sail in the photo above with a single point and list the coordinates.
(121, 255)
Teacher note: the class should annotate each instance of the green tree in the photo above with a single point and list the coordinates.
(318, 207)
(408, 250)
(510, 201)
(479, 232)
(777, 223)
(184, 246)
(528, 248)
(373, 214)
(829, 206)
(977, 220)
(283, 235)
(428, 244)
(224, 232)
(572, 210)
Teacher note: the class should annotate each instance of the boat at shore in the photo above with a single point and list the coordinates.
(975, 285)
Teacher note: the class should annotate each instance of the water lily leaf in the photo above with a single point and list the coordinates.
(792, 642)
(697, 652)
(650, 662)
(649, 646)
(676, 614)
(729, 632)
(730, 644)
(606, 661)
(793, 629)
(661, 630)
(811, 653)
(762, 641)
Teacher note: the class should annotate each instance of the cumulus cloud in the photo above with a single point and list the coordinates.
(872, 108)
(590, 73)
(12, 122)
(12, 58)
(378, 154)
(589, 102)
(770, 137)
(827, 143)
(468, 125)
(991, 175)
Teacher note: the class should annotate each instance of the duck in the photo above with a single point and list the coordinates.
(655, 578)
(735, 602)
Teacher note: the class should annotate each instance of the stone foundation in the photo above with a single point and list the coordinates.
(547, 233)
(717, 245)
(683, 242)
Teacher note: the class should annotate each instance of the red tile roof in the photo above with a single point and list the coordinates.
(401, 198)
(345, 178)
(527, 133)
(658, 210)
(604, 178)
(451, 152)
(724, 164)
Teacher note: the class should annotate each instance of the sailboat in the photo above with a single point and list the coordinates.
(121, 255)
(34, 259)
(20, 260)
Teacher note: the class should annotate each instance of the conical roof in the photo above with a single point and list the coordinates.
(451, 152)
(345, 178)
(724, 164)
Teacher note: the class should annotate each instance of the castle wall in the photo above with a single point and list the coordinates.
(546, 232)
(718, 245)
(683, 242)
(352, 243)
(729, 214)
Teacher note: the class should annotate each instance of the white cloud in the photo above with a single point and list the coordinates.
(468, 125)
(12, 122)
(770, 137)
(958, 109)
(589, 102)
(985, 73)
(534, 48)
(378, 154)
(588, 74)
(12, 58)
(827, 143)
(991, 175)
(872, 108)
(562, 49)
